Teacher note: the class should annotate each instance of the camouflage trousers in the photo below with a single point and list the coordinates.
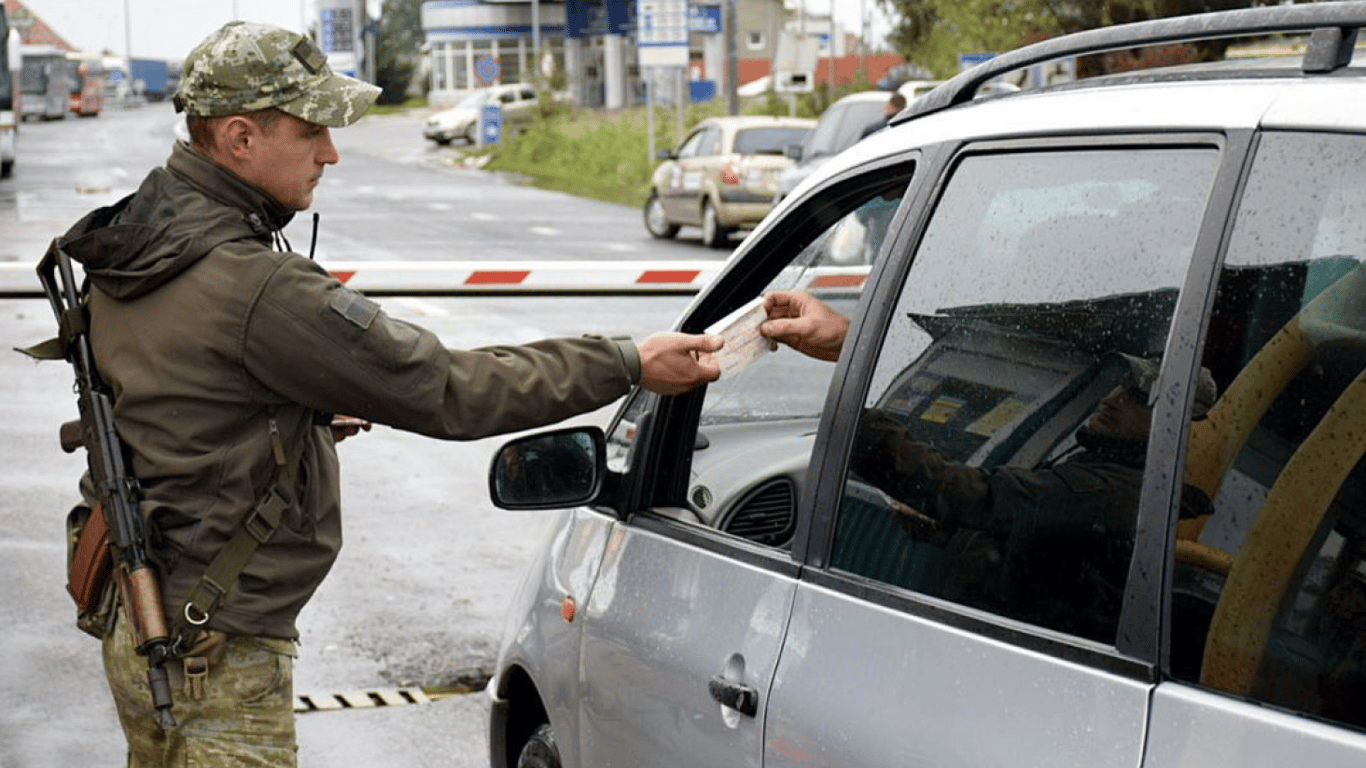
(239, 713)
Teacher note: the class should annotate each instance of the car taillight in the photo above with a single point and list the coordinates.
(729, 176)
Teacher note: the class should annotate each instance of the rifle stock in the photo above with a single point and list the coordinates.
(118, 490)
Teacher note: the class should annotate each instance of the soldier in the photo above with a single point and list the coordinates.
(228, 356)
(1048, 544)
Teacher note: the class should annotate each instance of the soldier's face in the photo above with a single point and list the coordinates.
(1122, 415)
(289, 159)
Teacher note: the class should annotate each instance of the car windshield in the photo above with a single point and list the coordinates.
(472, 100)
(769, 140)
(841, 126)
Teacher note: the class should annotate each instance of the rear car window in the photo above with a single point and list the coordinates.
(768, 140)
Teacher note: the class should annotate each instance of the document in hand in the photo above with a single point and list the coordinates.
(744, 343)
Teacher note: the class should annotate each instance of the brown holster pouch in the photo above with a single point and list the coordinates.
(90, 564)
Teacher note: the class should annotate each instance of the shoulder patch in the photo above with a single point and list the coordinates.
(357, 309)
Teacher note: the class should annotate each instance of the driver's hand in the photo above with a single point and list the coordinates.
(805, 323)
(918, 525)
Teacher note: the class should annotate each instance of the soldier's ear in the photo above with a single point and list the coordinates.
(237, 135)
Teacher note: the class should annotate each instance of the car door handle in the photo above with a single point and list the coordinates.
(738, 697)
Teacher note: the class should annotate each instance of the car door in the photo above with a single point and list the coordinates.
(689, 182)
(682, 628)
(1268, 590)
(963, 595)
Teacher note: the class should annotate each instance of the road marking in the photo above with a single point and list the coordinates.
(481, 216)
(547, 231)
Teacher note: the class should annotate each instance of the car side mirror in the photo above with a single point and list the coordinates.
(666, 154)
(793, 151)
(562, 468)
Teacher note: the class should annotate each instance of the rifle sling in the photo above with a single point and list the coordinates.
(223, 571)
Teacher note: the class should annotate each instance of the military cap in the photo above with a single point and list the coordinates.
(1143, 372)
(243, 67)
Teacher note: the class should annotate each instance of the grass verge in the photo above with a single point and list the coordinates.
(606, 155)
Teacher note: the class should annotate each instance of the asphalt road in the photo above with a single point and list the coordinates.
(416, 600)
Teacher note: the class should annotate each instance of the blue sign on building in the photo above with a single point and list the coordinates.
(621, 16)
(705, 19)
(595, 18)
(585, 18)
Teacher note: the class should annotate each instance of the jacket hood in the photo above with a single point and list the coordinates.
(178, 214)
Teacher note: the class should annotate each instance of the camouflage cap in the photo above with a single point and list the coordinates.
(243, 67)
(1143, 372)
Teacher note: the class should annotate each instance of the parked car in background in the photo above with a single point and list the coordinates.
(845, 122)
(519, 103)
(722, 176)
(943, 549)
(839, 126)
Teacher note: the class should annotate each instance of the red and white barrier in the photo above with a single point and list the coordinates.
(459, 278)
(487, 278)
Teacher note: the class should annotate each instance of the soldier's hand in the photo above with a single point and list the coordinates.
(673, 363)
(805, 323)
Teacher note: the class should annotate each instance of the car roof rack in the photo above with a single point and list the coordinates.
(1333, 27)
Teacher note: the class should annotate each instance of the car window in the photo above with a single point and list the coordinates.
(756, 428)
(1269, 590)
(711, 143)
(691, 146)
(999, 456)
(527, 94)
(767, 140)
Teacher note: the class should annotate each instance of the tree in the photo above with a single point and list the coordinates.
(932, 33)
(397, 48)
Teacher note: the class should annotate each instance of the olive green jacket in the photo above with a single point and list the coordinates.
(207, 335)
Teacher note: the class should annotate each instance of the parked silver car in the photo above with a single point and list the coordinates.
(839, 126)
(518, 103)
(722, 176)
(942, 550)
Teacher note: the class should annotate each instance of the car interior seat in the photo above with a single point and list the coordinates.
(1259, 576)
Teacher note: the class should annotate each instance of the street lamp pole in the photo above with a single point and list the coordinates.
(732, 60)
(830, 84)
(536, 72)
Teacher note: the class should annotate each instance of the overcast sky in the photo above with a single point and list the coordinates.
(168, 29)
(157, 29)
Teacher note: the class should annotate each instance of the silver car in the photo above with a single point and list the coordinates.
(517, 102)
(943, 549)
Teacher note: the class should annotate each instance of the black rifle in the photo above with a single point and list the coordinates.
(117, 490)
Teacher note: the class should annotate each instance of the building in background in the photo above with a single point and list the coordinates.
(589, 46)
